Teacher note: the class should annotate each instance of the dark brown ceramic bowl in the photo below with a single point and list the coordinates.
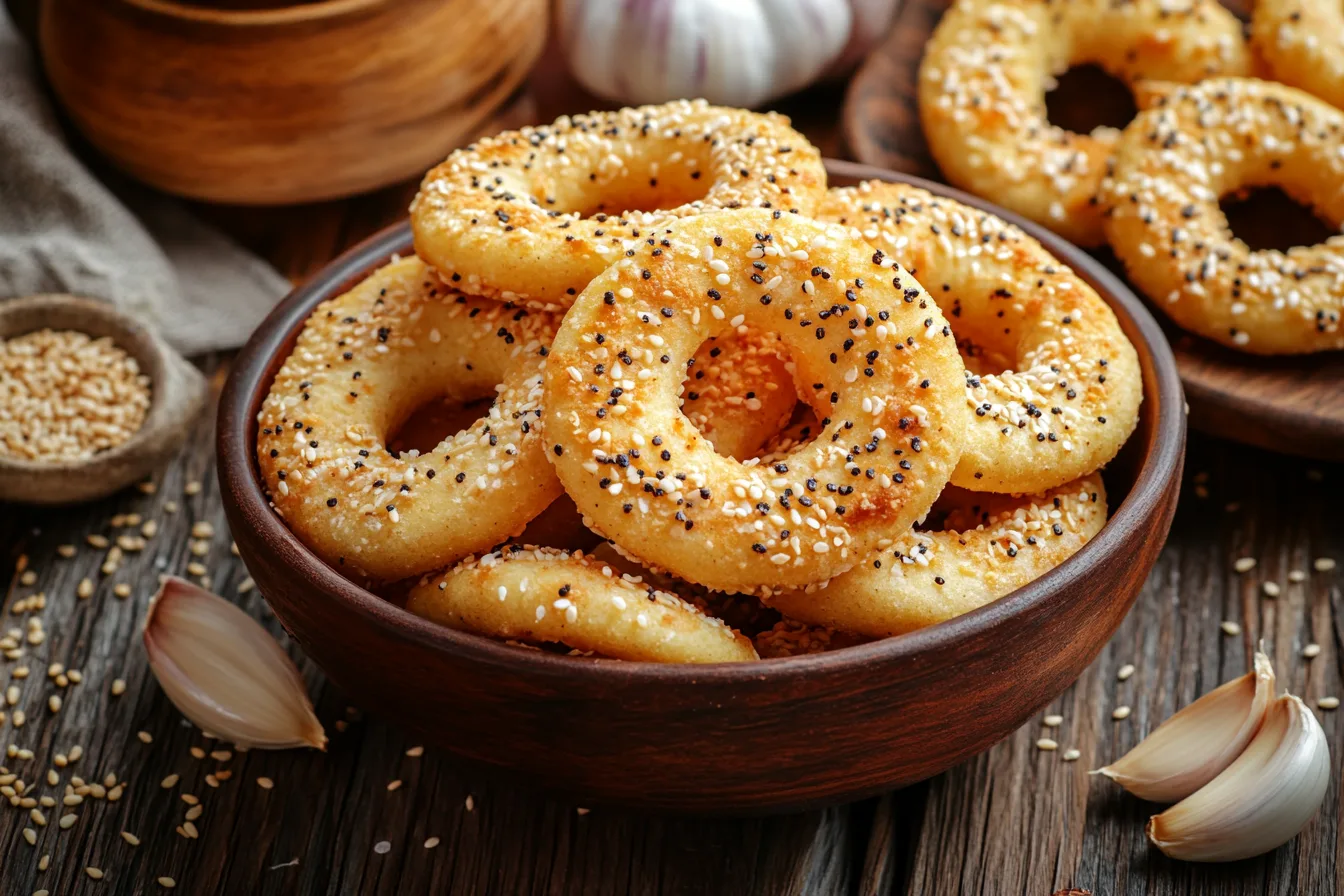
(770, 736)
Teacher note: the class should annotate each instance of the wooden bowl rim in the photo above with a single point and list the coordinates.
(257, 362)
(320, 10)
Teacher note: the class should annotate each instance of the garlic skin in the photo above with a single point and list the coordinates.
(1261, 801)
(225, 672)
(739, 53)
(1191, 748)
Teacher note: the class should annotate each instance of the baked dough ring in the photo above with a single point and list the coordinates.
(533, 215)
(540, 595)
(990, 546)
(364, 361)
(1302, 44)
(1054, 383)
(873, 351)
(1164, 222)
(989, 63)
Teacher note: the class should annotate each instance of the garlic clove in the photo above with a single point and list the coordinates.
(225, 672)
(1261, 801)
(1192, 747)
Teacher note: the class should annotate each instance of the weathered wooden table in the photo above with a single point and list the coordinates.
(1013, 821)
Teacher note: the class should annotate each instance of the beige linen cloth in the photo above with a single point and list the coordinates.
(63, 230)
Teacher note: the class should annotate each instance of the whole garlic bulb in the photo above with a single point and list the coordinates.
(730, 52)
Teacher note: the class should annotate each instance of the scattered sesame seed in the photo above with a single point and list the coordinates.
(1244, 564)
(1271, 589)
(167, 882)
(68, 821)
(394, 785)
(1071, 755)
(145, 737)
(1323, 564)
(1120, 713)
(1328, 703)
(192, 488)
(30, 835)
(382, 847)
(470, 803)
(122, 590)
(169, 782)
(1230, 628)
(118, 687)
(95, 873)
(1046, 744)
(431, 842)
(1311, 651)
(1297, 576)
(415, 751)
(265, 783)
(1125, 671)
(1052, 721)
(130, 838)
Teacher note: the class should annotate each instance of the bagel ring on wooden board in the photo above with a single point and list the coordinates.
(870, 348)
(1196, 144)
(533, 215)
(1302, 44)
(365, 361)
(1054, 384)
(541, 595)
(989, 64)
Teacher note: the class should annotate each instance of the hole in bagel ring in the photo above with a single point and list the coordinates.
(366, 359)
(543, 595)
(870, 349)
(1068, 395)
(988, 65)
(533, 215)
(1196, 144)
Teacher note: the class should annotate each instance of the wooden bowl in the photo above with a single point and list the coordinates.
(771, 736)
(286, 104)
(177, 395)
(1292, 404)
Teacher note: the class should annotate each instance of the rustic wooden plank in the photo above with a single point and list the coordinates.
(1018, 820)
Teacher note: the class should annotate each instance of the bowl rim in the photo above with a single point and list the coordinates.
(239, 479)
(294, 12)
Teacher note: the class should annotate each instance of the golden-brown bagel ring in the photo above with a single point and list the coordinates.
(1065, 393)
(989, 63)
(542, 595)
(991, 545)
(364, 361)
(1302, 45)
(872, 349)
(533, 215)
(1197, 144)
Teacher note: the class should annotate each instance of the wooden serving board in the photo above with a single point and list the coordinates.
(1290, 404)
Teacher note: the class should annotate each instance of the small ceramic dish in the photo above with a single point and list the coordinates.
(177, 394)
(753, 737)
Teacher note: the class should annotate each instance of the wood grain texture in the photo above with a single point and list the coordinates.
(1290, 404)
(288, 104)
